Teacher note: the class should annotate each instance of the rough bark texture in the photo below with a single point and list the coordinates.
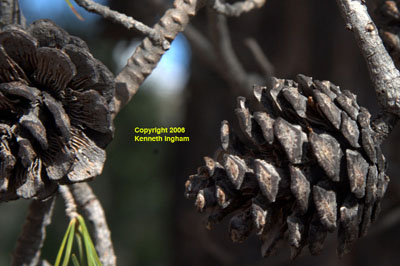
(148, 54)
(126, 21)
(30, 242)
(383, 73)
(70, 206)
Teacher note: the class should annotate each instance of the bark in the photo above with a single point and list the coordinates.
(30, 242)
(148, 54)
(126, 21)
(383, 73)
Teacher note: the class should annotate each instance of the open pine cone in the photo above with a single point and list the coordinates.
(308, 164)
(55, 105)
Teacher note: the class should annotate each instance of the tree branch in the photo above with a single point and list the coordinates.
(126, 21)
(236, 9)
(10, 13)
(383, 73)
(231, 69)
(207, 54)
(259, 57)
(148, 53)
(92, 209)
(221, 40)
(30, 242)
(201, 47)
(70, 205)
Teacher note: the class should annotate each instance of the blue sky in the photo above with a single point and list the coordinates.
(171, 74)
(58, 11)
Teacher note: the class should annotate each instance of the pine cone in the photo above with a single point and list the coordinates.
(55, 105)
(308, 164)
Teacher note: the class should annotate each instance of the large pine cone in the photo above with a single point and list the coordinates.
(55, 105)
(308, 164)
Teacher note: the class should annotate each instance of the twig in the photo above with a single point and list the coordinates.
(148, 53)
(10, 13)
(92, 209)
(384, 75)
(70, 206)
(30, 242)
(201, 47)
(206, 53)
(236, 9)
(259, 56)
(126, 21)
(233, 72)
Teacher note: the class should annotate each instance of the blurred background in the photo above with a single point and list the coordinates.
(142, 185)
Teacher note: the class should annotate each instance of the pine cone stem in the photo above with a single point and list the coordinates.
(70, 206)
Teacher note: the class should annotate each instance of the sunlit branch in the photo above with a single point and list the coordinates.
(148, 53)
(126, 21)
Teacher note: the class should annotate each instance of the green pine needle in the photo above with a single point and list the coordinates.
(92, 258)
(77, 229)
(61, 250)
(75, 260)
(70, 241)
(78, 237)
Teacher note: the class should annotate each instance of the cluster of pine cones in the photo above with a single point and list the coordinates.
(307, 164)
(55, 110)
